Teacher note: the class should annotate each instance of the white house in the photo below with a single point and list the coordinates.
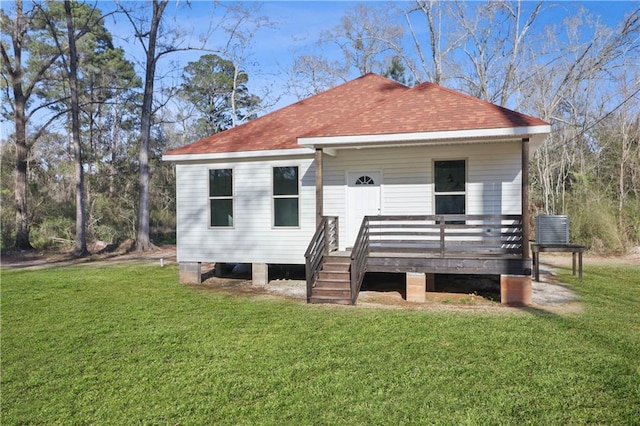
(405, 158)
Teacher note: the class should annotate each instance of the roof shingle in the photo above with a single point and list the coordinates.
(369, 105)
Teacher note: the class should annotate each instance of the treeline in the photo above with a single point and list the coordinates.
(84, 161)
(90, 125)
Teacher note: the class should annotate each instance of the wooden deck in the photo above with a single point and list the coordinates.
(439, 244)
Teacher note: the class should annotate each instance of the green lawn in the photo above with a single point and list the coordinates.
(128, 345)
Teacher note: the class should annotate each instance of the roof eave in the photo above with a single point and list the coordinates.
(536, 134)
(239, 155)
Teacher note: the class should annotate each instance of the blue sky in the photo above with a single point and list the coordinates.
(297, 25)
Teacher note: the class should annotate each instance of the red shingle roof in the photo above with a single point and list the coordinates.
(280, 129)
(369, 105)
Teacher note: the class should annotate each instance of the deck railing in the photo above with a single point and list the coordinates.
(434, 236)
(446, 235)
(324, 241)
(359, 256)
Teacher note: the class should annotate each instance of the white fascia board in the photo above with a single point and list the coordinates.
(239, 155)
(424, 137)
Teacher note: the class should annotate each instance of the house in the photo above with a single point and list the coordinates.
(368, 176)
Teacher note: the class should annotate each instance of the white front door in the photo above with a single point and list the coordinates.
(363, 199)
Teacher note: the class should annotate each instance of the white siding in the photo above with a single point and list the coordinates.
(493, 187)
(253, 237)
(493, 178)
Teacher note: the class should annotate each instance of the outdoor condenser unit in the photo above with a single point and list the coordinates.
(552, 229)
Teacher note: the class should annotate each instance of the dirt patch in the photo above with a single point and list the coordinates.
(100, 252)
(548, 295)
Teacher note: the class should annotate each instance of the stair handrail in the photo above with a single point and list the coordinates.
(324, 241)
(359, 255)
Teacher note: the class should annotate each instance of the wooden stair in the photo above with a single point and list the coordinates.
(334, 281)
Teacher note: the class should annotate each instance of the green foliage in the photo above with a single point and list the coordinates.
(218, 90)
(593, 218)
(128, 344)
(7, 209)
(53, 232)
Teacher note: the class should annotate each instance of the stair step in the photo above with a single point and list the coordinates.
(334, 275)
(336, 267)
(337, 259)
(323, 283)
(331, 292)
(330, 299)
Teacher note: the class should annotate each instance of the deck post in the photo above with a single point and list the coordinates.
(525, 200)
(319, 187)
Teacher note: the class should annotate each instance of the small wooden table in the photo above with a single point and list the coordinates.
(574, 249)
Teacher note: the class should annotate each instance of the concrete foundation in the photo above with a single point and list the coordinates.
(259, 273)
(416, 287)
(190, 273)
(515, 290)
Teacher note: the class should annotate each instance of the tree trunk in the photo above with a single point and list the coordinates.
(22, 154)
(80, 243)
(20, 122)
(143, 241)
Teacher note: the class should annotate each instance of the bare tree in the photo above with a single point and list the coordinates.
(157, 41)
(494, 43)
(441, 40)
(72, 68)
(241, 24)
(148, 38)
(568, 92)
(367, 38)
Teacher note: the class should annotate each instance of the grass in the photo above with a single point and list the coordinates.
(126, 344)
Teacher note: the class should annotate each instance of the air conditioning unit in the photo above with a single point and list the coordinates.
(552, 229)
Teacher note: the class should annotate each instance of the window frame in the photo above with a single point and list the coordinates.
(275, 197)
(221, 197)
(436, 194)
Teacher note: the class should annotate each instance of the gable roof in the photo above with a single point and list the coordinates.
(369, 105)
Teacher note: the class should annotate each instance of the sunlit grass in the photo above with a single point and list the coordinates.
(128, 345)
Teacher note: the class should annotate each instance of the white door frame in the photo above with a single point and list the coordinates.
(352, 233)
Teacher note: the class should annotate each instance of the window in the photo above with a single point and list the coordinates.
(365, 180)
(285, 196)
(450, 184)
(221, 197)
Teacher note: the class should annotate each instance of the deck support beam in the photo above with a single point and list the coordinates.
(319, 187)
(431, 282)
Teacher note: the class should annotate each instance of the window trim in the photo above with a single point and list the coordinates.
(274, 197)
(225, 197)
(466, 181)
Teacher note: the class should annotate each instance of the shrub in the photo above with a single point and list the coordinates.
(53, 232)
